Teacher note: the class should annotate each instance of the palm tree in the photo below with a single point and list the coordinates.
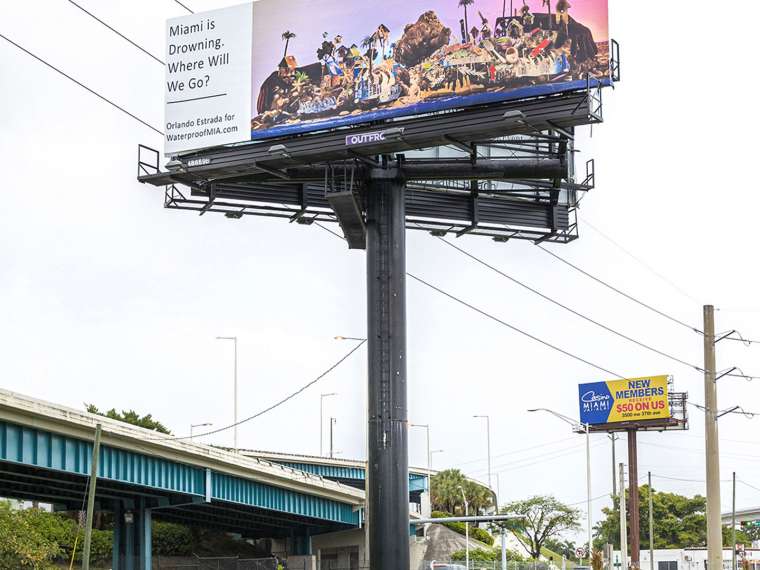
(287, 36)
(369, 43)
(464, 4)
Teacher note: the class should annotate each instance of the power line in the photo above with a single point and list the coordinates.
(118, 33)
(185, 7)
(512, 327)
(640, 261)
(620, 292)
(516, 451)
(275, 405)
(82, 85)
(496, 319)
(565, 307)
(748, 485)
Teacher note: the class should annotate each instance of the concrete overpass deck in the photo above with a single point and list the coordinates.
(45, 455)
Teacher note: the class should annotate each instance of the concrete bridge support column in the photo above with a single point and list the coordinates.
(146, 539)
(118, 531)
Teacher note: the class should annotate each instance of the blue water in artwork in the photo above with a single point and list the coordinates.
(439, 104)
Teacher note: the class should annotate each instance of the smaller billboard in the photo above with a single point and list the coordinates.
(629, 400)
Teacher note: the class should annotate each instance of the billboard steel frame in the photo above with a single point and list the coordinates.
(514, 179)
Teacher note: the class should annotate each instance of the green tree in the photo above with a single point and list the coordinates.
(446, 492)
(130, 417)
(564, 548)
(679, 522)
(541, 518)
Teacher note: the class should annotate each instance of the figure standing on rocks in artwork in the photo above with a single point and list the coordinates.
(563, 13)
(527, 17)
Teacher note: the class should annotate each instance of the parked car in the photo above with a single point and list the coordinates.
(443, 566)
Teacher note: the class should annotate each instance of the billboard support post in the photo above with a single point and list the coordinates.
(633, 492)
(387, 481)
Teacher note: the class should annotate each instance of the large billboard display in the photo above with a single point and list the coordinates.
(319, 64)
(633, 399)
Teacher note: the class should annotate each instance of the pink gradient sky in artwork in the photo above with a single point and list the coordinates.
(356, 19)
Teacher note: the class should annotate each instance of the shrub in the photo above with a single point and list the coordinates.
(476, 533)
(22, 545)
(171, 539)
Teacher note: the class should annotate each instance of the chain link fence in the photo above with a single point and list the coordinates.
(214, 563)
(484, 565)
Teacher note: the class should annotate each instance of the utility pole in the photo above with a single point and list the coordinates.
(623, 531)
(488, 444)
(733, 523)
(633, 494)
(714, 530)
(651, 523)
(613, 437)
(91, 500)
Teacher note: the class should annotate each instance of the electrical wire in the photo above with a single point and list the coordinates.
(273, 406)
(82, 85)
(512, 327)
(748, 485)
(565, 307)
(640, 261)
(516, 451)
(117, 32)
(185, 7)
(620, 292)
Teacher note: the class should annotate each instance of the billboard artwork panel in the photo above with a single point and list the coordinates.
(294, 66)
(632, 399)
(327, 63)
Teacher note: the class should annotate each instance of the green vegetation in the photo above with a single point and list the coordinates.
(37, 540)
(130, 417)
(475, 533)
(446, 493)
(542, 518)
(679, 522)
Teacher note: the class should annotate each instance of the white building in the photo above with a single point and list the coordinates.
(691, 559)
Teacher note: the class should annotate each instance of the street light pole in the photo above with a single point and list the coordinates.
(430, 462)
(332, 423)
(193, 426)
(466, 529)
(321, 420)
(235, 392)
(429, 458)
(586, 429)
(488, 440)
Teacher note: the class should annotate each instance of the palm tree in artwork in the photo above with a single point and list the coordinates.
(464, 4)
(548, 4)
(286, 37)
(369, 43)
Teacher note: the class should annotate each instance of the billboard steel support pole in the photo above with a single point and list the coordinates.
(714, 531)
(387, 479)
(633, 492)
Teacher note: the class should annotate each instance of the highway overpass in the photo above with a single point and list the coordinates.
(45, 455)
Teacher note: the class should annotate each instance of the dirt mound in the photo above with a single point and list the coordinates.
(421, 39)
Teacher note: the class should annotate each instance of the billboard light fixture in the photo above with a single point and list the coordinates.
(175, 164)
(233, 215)
(396, 133)
(516, 117)
(279, 150)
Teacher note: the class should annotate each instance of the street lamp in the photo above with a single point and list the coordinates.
(466, 529)
(332, 423)
(321, 421)
(193, 426)
(235, 392)
(429, 459)
(339, 337)
(431, 456)
(585, 428)
(488, 437)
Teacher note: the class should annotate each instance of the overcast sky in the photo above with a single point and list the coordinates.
(105, 297)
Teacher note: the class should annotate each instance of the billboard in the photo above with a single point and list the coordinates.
(633, 399)
(320, 64)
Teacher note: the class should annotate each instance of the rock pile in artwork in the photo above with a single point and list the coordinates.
(421, 39)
